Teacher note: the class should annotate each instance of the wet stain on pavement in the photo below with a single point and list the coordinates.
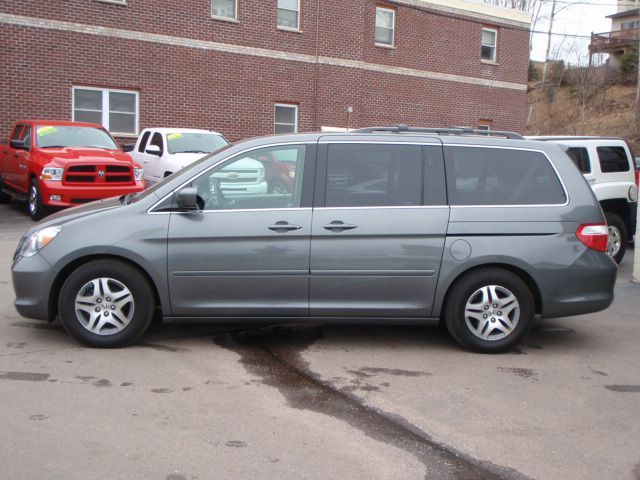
(520, 372)
(17, 345)
(636, 472)
(161, 390)
(103, 382)
(236, 444)
(25, 376)
(175, 476)
(396, 371)
(623, 388)
(84, 378)
(126, 384)
(274, 355)
(599, 372)
(38, 417)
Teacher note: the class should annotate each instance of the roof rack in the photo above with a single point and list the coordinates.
(440, 131)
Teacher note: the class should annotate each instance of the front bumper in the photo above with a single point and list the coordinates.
(77, 195)
(33, 279)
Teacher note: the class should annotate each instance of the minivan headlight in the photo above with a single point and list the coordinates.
(138, 172)
(35, 242)
(52, 173)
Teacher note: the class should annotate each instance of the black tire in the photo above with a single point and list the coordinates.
(278, 187)
(140, 308)
(4, 197)
(37, 210)
(616, 228)
(467, 288)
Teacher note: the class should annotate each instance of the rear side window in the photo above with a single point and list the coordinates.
(495, 176)
(613, 159)
(361, 175)
(580, 157)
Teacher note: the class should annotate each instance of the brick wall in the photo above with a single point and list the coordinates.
(207, 87)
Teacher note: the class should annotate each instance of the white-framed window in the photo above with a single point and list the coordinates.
(115, 110)
(489, 44)
(227, 9)
(385, 26)
(289, 14)
(286, 118)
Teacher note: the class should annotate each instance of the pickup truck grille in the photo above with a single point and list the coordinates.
(98, 174)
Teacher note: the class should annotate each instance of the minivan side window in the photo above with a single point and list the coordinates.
(580, 157)
(613, 159)
(268, 177)
(494, 176)
(375, 175)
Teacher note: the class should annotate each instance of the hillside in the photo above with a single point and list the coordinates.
(607, 110)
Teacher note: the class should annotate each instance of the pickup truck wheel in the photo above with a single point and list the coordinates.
(617, 243)
(106, 304)
(4, 197)
(37, 210)
(489, 310)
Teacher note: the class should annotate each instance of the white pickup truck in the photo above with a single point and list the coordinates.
(162, 151)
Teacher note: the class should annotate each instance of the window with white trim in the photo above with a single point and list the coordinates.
(116, 110)
(289, 14)
(224, 9)
(286, 118)
(489, 44)
(385, 26)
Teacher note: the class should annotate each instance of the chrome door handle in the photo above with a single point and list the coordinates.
(339, 226)
(283, 226)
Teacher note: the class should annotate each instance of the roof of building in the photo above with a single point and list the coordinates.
(474, 9)
(632, 12)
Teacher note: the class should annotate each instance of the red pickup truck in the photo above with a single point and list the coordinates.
(62, 164)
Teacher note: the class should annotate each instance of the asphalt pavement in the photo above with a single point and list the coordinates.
(319, 402)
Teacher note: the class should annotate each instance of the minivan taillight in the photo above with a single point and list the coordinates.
(594, 236)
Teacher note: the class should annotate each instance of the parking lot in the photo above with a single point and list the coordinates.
(313, 401)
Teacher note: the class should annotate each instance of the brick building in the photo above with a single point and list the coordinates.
(252, 67)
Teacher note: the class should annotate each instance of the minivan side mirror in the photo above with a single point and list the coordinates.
(188, 199)
(154, 150)
(18, 144)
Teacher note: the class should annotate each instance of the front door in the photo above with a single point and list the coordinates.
(244, 254)
(379, 228)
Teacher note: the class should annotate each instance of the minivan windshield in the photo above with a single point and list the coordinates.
(57, 136)
(181, 142)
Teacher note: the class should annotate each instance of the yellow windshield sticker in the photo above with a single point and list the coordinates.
(174, 136)
(42, 131)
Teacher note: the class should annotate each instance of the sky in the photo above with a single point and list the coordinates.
(573, 17)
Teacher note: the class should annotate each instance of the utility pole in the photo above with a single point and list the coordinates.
(637, 111)
(546, 56)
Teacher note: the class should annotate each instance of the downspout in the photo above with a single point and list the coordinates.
(316, 125)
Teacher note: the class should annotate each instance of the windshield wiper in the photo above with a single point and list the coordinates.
(55, 146)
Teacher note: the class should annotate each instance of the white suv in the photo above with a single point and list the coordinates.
(608, 165)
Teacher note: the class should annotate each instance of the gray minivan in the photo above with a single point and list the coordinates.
(383, 225)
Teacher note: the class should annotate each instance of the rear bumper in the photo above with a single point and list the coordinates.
(74, 196)
(584, 287)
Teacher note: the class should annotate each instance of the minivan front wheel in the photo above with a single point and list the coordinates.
(106, 303)
(489, 310)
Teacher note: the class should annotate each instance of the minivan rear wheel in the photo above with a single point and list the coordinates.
(106, 304)
(489, 310)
